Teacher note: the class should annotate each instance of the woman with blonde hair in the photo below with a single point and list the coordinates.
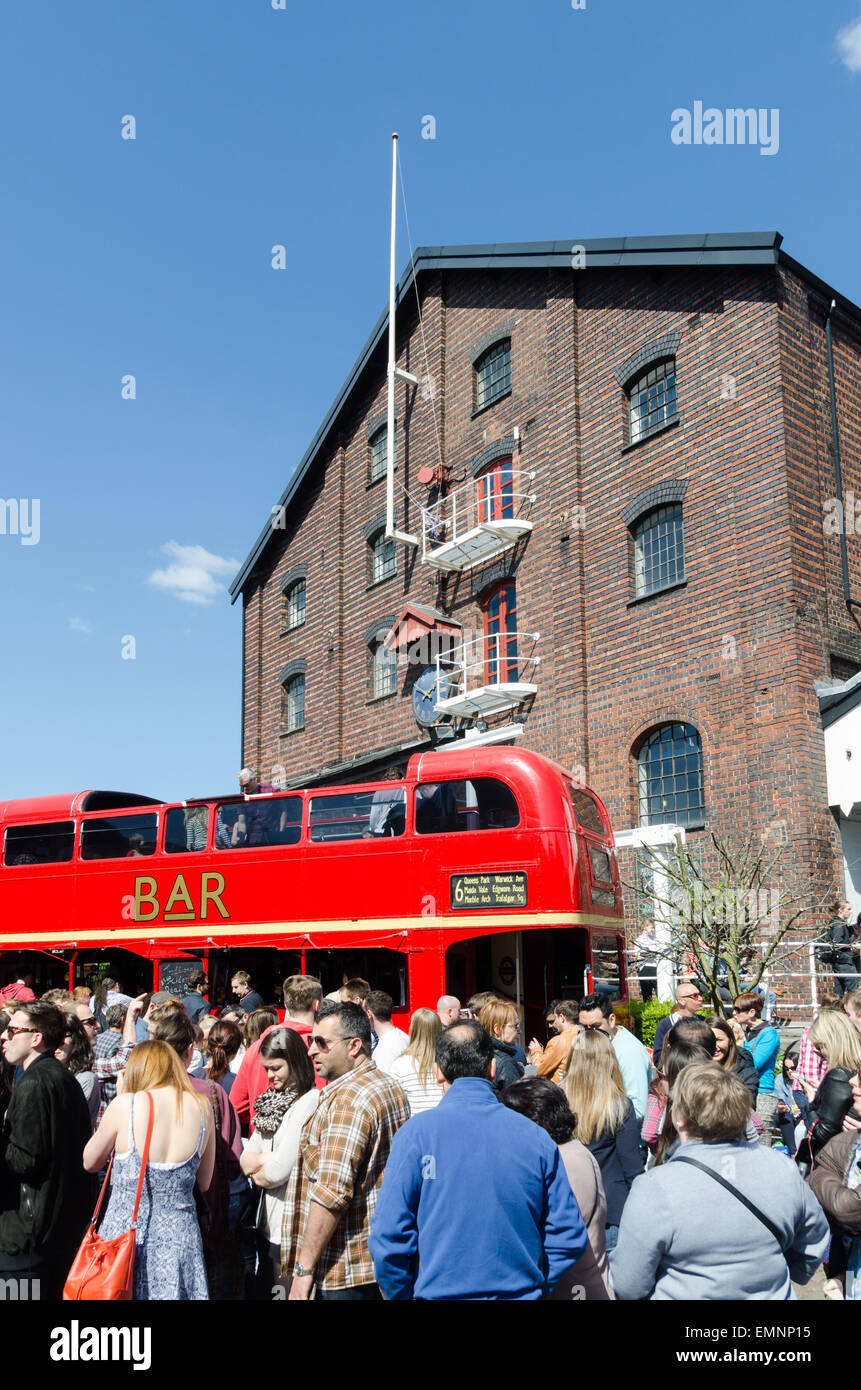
(840, 1045)
(169, 1260)
(500, 1019)
(606, 1121)
(414, 1070)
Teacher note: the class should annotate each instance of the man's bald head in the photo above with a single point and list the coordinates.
(448, 1008)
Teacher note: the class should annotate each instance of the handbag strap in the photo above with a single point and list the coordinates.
(95, 1216)
(144, 1158)
(760, 1216)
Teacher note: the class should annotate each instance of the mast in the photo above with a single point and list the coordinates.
(393, 371)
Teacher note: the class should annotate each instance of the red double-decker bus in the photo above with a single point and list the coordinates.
(485, 868)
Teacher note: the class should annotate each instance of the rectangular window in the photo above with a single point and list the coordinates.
(118, 837)
(384, 560)
(51, 843)
(653, 400)
(252, 824)
(296, 605)
(586, 811)
(481, 803)
(385, 671)
(185, 829)
(601, 872)
(358, 815)
(659, 554)
(377, 456)
(493, 375)
(606, 966)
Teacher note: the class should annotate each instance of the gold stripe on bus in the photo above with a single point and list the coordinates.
(158, 931)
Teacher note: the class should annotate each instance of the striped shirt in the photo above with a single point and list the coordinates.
(342, 1154)
(421, 1096)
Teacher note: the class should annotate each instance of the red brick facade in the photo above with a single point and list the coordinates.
(734, 650)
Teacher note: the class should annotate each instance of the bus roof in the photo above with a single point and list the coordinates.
(62, 806)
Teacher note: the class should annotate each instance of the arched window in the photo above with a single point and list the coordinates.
(652, 397)
(500, 630)
(496, 491)
(659, 549)
(294, 604)
(383, 558)
(384, 670)
(377, 455)
(293, 704)
(670, 777)
(493, 374)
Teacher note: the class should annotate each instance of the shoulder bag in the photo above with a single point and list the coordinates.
(755, 1211)
(103, 1270)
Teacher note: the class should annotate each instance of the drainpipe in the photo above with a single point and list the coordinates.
(850, 602)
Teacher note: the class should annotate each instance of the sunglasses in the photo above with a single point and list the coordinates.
(10, 1031)
(90, 1022)
(593, 1028)
(324, 1046)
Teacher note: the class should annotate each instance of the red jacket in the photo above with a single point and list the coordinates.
(251, 1080)
(15, 991)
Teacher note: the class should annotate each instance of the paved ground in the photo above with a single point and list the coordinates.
(812, 1292)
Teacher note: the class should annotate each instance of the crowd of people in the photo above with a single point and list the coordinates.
(330, 1154)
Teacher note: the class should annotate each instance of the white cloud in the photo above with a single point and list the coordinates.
(192, 575)
(78, 625)
(849, 46)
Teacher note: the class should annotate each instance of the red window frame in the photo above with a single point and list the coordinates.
(500, 632)
(496, 491)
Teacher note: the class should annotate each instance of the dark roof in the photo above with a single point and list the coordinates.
(837, 700)
(610, 253)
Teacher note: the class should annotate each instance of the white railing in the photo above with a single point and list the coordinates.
(496, 659)
(794, 970)
(489, 501)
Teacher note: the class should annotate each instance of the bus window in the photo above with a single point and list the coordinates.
(254, 824)
(384, 969)
(185, 829)
(358, 815)
(601, 872)
(51, 843)
(606, 966)
(118, 837)
(482, 803)
(586, 811)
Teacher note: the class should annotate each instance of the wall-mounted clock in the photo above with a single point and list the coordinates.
(432, 685)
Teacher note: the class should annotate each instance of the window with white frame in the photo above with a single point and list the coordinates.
(294, 604)
(293, 704)
(377, 455)
(659, 550)
(652, 398)
(383, 558)
(384, 670)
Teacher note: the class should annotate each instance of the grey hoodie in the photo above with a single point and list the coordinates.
(683, 1236)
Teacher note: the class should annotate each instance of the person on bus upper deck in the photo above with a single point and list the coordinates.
(391, 1041)
(247, 997)
(248, 783)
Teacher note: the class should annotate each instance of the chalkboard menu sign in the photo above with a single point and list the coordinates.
(469, 891)
(173, 976)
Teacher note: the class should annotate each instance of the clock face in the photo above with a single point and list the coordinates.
(426, 693)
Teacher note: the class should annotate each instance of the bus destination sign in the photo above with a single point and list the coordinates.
(470, 891)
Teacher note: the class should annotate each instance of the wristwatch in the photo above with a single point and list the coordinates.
(301, 1272)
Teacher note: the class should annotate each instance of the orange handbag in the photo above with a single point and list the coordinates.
(103, 1270)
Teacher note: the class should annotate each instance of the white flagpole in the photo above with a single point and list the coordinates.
(392, 371)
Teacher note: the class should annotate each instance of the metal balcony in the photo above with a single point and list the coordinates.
(477, 521)
(489, 674)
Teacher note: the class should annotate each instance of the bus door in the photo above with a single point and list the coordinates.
(268, 967)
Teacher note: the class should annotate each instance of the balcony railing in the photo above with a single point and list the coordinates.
(478, 520)
(489, 674)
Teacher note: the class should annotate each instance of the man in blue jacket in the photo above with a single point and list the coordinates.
(475, 1202)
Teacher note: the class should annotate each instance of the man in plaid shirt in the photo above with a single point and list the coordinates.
(342, 1154)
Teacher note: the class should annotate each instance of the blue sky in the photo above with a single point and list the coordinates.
(152, 257)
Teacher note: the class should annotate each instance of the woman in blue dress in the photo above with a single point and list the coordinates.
(169, 1261)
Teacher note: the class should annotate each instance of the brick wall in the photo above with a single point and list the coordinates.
(734, 651)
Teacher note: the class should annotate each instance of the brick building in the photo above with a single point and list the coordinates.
(625, 457)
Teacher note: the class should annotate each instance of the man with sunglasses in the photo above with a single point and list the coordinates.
(47, 1198)
(342, 1154)
(689, 1001)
